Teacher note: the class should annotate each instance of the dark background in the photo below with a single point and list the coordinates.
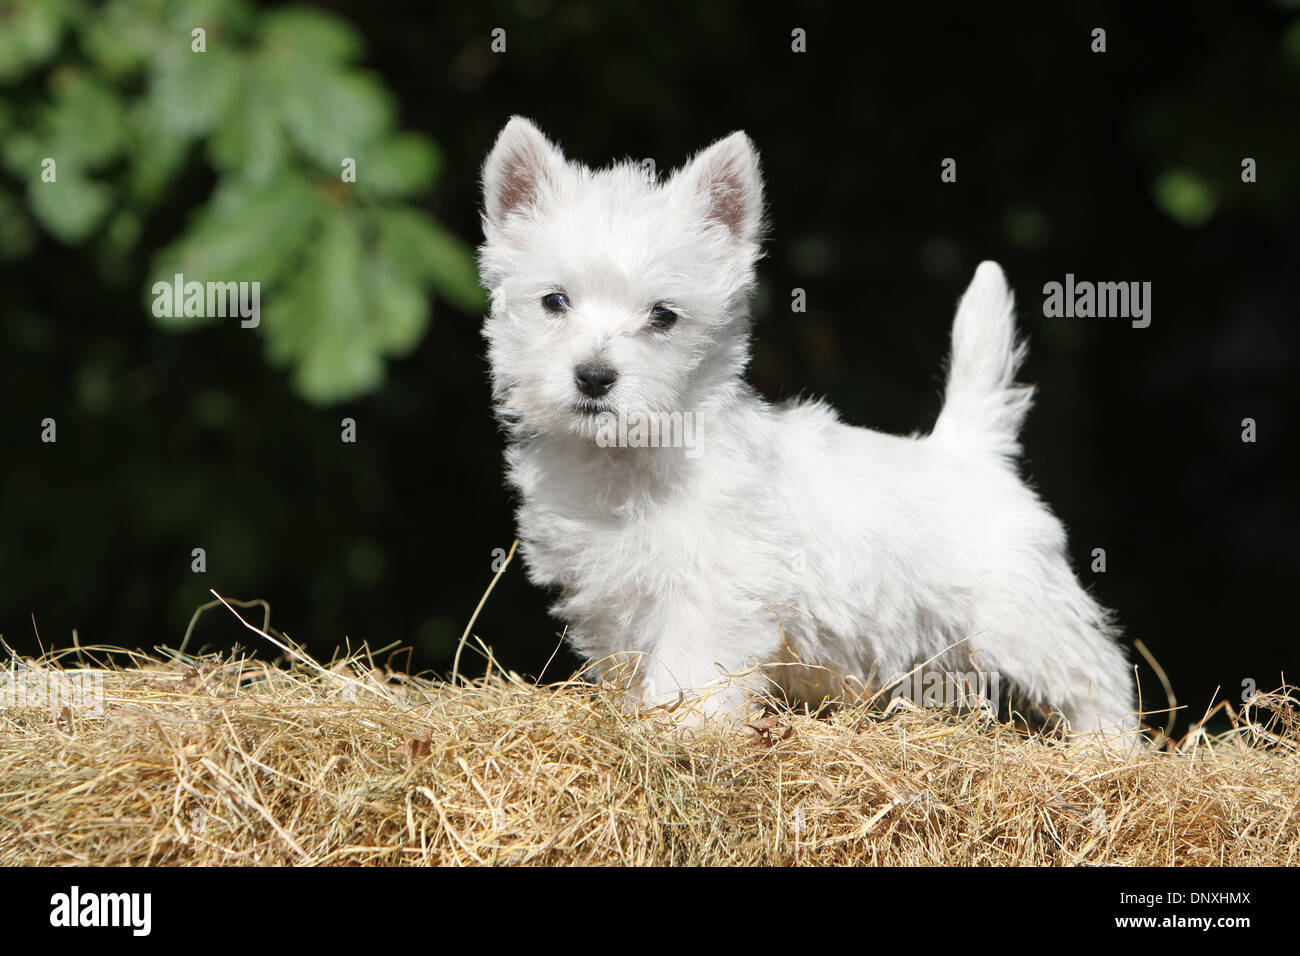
(1134, 441)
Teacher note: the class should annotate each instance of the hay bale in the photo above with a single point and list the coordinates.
(203, 760)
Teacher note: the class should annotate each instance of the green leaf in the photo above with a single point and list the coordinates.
(329, 114)
(318, 322)
(347, 273)
(398, 166)
(406, 237)
(156, 155)
(251, 140)
(399, 307)
(115, 252)
(123, 232)
(323, 298)
(191, 93)
(32, 30)
(85, 122)
(454, 272)
(123, 38)
(246, 233)
(422, 249)
(70, 208)
(224, 20)
(335, 370)
(312, 34)
(1184, 197)
(23, 155)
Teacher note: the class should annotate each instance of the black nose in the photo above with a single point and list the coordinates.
(595, 380)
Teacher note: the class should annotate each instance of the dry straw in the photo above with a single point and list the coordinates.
(212, 760)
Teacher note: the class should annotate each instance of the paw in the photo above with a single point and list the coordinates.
(687, 712)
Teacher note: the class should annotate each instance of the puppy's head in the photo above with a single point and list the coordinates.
(612, 292)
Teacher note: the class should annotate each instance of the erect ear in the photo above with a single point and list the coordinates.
(727, 186)
(522, 166)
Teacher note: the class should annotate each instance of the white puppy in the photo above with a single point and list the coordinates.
(722, 543)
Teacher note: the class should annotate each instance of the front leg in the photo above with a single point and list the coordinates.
(703, 667)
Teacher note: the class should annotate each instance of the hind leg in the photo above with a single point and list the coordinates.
(1100, 712)
(1058, 646)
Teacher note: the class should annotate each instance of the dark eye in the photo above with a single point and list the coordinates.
(555, 302)
(662, 317)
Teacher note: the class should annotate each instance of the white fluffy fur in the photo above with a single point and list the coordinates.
(791, 537)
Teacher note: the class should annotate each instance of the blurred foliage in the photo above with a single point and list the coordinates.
(1184, 197)
(273, 104)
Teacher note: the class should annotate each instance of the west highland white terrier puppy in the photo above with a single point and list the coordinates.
(725, 546)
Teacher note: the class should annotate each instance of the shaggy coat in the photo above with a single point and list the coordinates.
(785, 547)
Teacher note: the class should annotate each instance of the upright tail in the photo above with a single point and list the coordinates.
(982, 407)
